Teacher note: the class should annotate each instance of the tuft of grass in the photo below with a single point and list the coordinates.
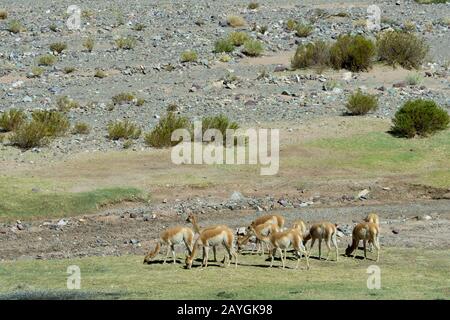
(53, 27)
(15, 26)
(402, 48)
(188, 56)
(161, 135)
(64, 103)
(291, 25)
(100, 74)
(68, 70)
(58, 47)
(55, 123)
(224, 58)
(253, 48)
(140, 102)
(3, 14)
(12, 119)
(139, 27)
(81, 128)
(359, 103)
(315, 54)
(30, 135)
(221, 123)
(47, 60)
(123, 130)
(238, 38)
(414, 79)
(126, 43)
(303, 30)
(37, 71)
(89, 44)
(419, 117)
(235, 21)
(355, 53)
(223, 45)
(124, 97)
(253, 5)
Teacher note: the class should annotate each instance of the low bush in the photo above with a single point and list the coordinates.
(354, 53)
(223, 45)
(81, 128)
(58, 47)
(253, 5)
(161, 135)
(419, 117)
(253, 48)
(30, 135)
(315, 54)
(414, 79)
(47, 60)
(360, 103)
(303, 30)
(3, 14)
(54, 123)
(64, 103)
(291, 25)
(126, 43)
(238, 38)
(12, 119)
(68, 70)
(123, 130)
(221, 123)
(100, 74)
(15, 26)
(37, 71)
(89, 44)
(235, 21)
(402, 48)
(188, 56)
(124, 97)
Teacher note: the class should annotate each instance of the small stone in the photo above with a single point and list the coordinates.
(363, 194)
(395, 231)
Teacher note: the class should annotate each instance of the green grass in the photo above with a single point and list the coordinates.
(405, 274)
(20, 202)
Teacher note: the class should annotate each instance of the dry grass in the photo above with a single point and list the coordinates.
(236, 21)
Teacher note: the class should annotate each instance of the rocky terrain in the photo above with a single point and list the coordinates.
(250, 91)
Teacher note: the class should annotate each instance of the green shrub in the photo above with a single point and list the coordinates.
(253, 48)
(30, 135)
(81, 128)
(419, 117)
(402, 48)
(123, 130)
(3, 14)
(64, 103)
(58, 47)
(316, 54)
(291, 24)
(188, 56)
(46, 60)
(12, 119)
(414, 79)
(160, 136)
(15, 26)
(253, 5)
(235, 21)
(37, 71)
(360, 103)
(126, 43)
(55, 123)
(124, 97)
(223, 45)
(68, 70)
(221, 123)
(355, 53)
(303, 30)
(140, 102)
(89, 44)
(238, 38)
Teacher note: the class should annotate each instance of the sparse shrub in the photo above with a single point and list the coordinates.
(123, 130)
(58, 47)
(402, 48)
(253, 5)
(355, 53)
(445, 21)
(3, 15)
(64, 103)
(46, 60)
(160, 136)
(29, 135)
(124, 97)
(238, 38)
(128, 144)
(225, 58)
(291, 24)
(15, 26)
(414, 79)
(172, 107)
(235, 21)
(100, 74)
(12, 119)
(89, 44)
(55, 123)
(87, 14)
(81, 128)
(68, 70)
(253, 48)
(188, 56)
(360, 103)
(303, 30)
(140, 102)
(221, 123)
(419, 117)
(37, 71)
(314, 54)
(223, 45)
(139, 27)
(126, 43)
(409, 26)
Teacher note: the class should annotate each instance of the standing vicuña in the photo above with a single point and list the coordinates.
(323, 231)
(365, 231)
(212, 237)
(172, 237)
(193, 219)
(261, 232)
